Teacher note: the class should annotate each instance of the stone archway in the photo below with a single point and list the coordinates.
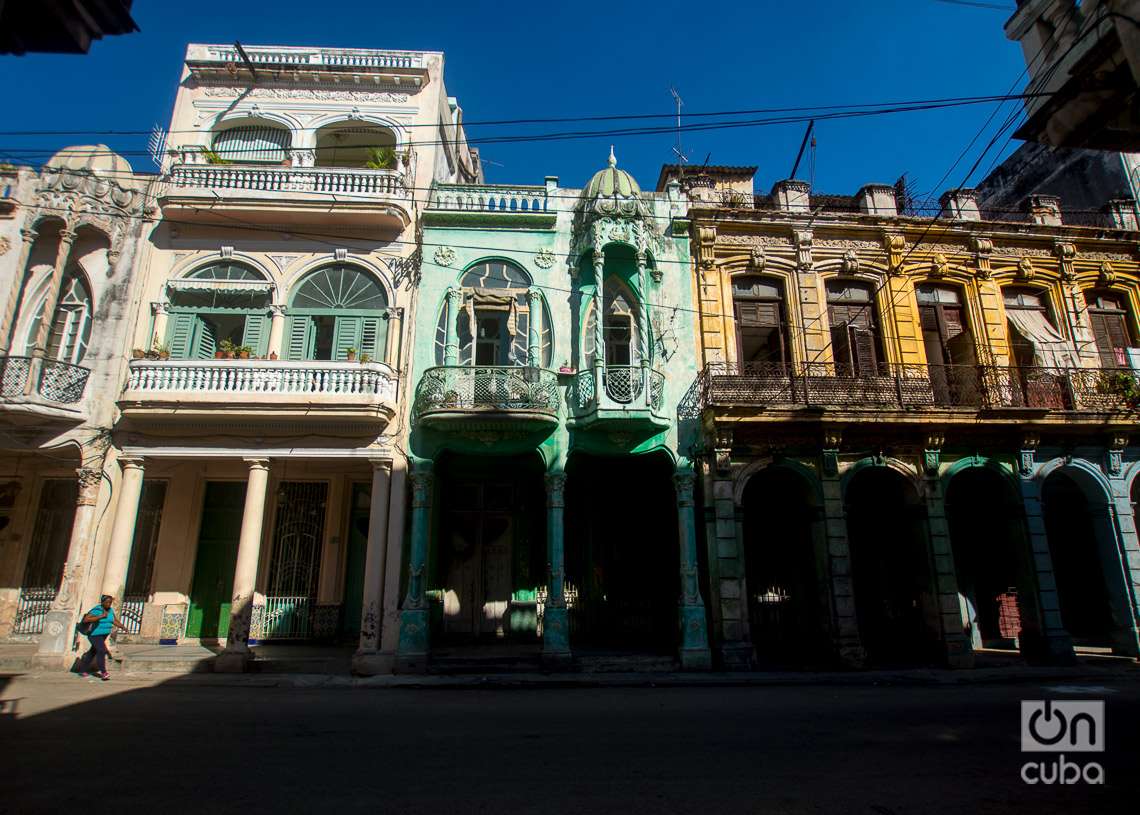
(784, 550)
(895, 602)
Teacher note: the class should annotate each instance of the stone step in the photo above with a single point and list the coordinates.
(452, 666)
(175, 664)
(329, 666)
(625, 664)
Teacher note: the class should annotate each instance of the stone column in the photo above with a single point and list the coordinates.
(365, 661)
(66, 240)
(847, 644)
(395, 335)
(726, 562)
(643, 312)
(158, 334)
(1124, 518)
(694, 630)
(412, 651)
(8, 326)
(236, 655)
(1114, 560)
(397, 509)
(599, 317)
(123, 530)
(451, 343)
(59, 625)
(276, 331)
(534, 328)
(555, 622)
(1054, 645)
(956, 646)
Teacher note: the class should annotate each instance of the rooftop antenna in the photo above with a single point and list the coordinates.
(681, 157)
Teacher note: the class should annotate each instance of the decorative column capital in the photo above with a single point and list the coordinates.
(132, 463)
(533, 296)
(278, 310)
(421, 489)
(684, 482)
(89, 479)
(804, 240)
(454, 294)
(67, 237)
(555, 485)
(158, 307)
(257, 463)
(380, 464)
(29, 234)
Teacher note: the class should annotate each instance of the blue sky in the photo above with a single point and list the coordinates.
(510, 60)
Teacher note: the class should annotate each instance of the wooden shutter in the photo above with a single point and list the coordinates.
(373, 336)
(347, 335)
(179, 334)
(841, 350)
(298, 332)
(863, 348)
(1111, 334)
(254, 335)
(205, 341)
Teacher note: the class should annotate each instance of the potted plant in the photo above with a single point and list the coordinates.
(212, 157)
(137, 353)
(163, 351)
(381, 158)
(365, 359)
(243, 352)
(272, 355)
(350, 354)
(1123, 385)
(228, 349)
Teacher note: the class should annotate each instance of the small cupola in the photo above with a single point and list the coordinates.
(613, 193)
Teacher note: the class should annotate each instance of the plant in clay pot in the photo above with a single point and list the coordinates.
(272, 355)
(137, 353)
(365, 359)
(228, 349)
(243, 351)
(350, 354)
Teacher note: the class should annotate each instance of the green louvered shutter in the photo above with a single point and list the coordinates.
(179, 334)
(297, 335)
(347, 336)
(206, 341)
(373, 337)
(255, 335)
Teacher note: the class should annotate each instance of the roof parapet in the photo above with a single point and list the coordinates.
(961, 204)
(791, 195)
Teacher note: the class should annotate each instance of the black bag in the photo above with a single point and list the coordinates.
(86, 628)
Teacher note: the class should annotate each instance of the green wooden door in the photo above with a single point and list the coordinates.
(212, 588)
(354, 568)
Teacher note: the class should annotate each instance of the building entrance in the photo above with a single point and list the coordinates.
(222, 506)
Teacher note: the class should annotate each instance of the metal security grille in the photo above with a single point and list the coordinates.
(131, 613)
(295, 567)
(32, 608)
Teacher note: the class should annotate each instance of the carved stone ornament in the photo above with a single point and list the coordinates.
(1107, 274)
(1025, 270)
(895, 246)
(850, 262)
(5, 245)
(706, 246)
(544, 259)
(804, 240)
(1065, 253)
(757, 260)
(1114, 462)
(444, 256)
(983, 248)
(939, 266)
(684, 482)
(89, 480)
(321, 94)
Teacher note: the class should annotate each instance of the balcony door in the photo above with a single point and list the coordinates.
(948, 343)
(761, 332)
(70, 329)
(218, 305)
(855, 343)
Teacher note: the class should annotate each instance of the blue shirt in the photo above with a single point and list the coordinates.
(102, 627)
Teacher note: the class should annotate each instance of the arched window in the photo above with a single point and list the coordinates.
(71, 324)
(353, 144)
(761, 322)
(493, 325)
(253, 143)
(1034, 337)
(621, 327)
(217, 305)
(338, 311)
(855, 343)
(945, 330)
(1108, 313)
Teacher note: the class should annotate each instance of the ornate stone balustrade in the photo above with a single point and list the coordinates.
(488, 198)
(324, 180)
(258, 378)
(463, 388)
(324, 57)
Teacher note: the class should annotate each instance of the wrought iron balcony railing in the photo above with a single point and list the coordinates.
(59, 382)
(918, 386)
(258, 178)
(487, 388)
(623, 387)
(234, 379)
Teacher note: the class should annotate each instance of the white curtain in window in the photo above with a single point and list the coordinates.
(242, 144)
(1050, 349)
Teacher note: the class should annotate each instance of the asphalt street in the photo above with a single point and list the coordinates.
(68, 744)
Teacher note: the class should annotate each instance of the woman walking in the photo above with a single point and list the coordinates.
(102, 617)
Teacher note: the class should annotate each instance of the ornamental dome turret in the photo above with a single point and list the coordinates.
(613, 192)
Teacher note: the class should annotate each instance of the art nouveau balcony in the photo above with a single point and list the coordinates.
(626, 396)
(254, 393)
(452, 396)
(963, 390)
(266, 194)
(32, 391)
(490, 204)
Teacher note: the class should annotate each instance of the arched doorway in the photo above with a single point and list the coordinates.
(1081, 544)
(996, 590)
(622, 554)
(894, 598)
(784, 564)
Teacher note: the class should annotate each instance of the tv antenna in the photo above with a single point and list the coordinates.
(679, 102)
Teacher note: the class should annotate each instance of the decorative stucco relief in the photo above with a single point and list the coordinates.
(844, 243)
(753, 240)
(322, 94)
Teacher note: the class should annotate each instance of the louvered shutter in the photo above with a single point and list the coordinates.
(254, 334)
(179, 334)
(841, 350)
(373, 335)
(245, 144)
(347, 336)
(863, 348)
(1111, 337)
(297, 335)
(205, 341)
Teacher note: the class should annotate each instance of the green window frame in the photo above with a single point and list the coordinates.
(193, 334)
